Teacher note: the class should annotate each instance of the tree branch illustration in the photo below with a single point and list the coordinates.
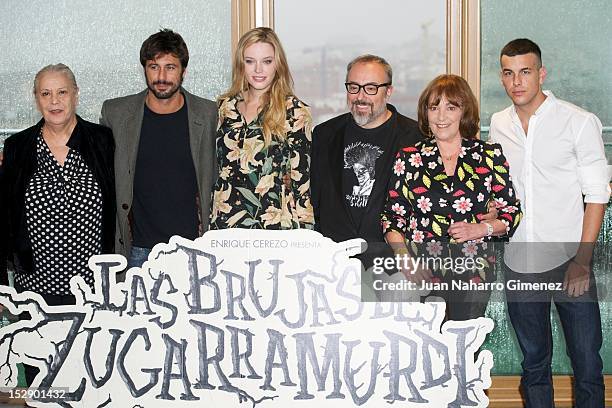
(244, 396)
(105, 403)
(470, 385)
(10, 337)
(96, 306)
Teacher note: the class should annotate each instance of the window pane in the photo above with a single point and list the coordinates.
(575, 41)
(322, 36)
(100, 43)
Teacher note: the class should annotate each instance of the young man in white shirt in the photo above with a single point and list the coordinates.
(558, 166)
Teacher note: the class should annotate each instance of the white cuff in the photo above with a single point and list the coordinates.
(594, 182)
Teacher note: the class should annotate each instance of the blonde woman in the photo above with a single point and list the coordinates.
(263, 142)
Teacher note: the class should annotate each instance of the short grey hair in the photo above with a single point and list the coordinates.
(58, 68)
(371, 58)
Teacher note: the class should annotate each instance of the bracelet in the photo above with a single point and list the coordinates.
(489, 229)
(401, 251)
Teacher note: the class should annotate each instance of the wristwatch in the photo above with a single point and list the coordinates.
(489, 229)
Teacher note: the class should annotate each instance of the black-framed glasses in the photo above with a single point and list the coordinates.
(369, 89)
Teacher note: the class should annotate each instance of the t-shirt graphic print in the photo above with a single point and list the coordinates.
(361, 159)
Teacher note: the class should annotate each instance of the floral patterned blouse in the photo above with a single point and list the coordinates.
(249, 192)
(424, 201)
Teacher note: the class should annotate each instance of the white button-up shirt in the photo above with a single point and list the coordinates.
(559, 160)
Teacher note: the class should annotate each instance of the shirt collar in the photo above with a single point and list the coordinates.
(76, 137)
(429, 144)
(74, 142)
(548, 102)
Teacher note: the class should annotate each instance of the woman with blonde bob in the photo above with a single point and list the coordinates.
(263, 142)
(439, 191)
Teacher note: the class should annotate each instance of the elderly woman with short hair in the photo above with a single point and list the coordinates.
(58, 193)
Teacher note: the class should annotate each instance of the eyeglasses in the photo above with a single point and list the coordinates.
(369, 89)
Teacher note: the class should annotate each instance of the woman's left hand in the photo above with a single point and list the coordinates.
(464, 231)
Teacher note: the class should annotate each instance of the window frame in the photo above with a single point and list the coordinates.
(462, 33)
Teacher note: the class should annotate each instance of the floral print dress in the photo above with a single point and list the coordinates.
(249, 191)
(423, 201)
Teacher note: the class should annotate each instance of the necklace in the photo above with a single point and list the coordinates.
(53, 139)
(450, 156)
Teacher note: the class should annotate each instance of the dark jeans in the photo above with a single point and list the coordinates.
(529, 313)
(52, 300)
(138, 256)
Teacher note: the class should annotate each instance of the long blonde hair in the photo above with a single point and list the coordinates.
(274, 101)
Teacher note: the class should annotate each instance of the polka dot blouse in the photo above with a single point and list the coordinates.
(63, 207)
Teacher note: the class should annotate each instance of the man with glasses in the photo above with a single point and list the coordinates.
(352, 156)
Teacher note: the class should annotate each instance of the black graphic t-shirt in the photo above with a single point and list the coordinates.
(362, 149)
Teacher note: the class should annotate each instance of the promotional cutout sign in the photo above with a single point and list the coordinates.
(242, 318)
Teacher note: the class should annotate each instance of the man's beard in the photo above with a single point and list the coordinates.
(363, 119)
(168, 92)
